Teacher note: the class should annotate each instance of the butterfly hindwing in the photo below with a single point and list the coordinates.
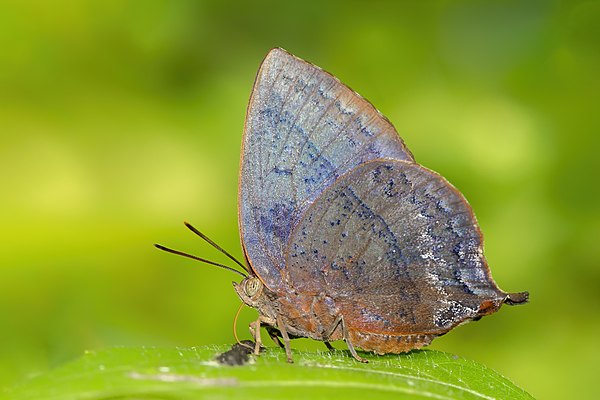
(396, 247)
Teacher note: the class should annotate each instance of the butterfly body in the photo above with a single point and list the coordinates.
(346, 236)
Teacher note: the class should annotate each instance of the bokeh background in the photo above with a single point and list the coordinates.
(121, 119)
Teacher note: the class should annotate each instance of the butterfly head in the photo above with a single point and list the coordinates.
(250, 290)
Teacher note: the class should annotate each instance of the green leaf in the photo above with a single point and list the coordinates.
(191, 373)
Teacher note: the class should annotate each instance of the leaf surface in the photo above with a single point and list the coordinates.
(191, 373)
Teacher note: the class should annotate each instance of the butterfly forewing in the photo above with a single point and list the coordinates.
(304, 129)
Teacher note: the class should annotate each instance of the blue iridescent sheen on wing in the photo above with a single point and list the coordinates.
(304, 129)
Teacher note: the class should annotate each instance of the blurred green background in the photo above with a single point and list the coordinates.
(121, 119)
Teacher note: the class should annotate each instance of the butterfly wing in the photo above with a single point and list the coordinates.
(398, 250)
(304, 129)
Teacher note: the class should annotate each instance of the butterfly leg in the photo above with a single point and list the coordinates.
(339, 320)
(286, 339)
(255, 331)
(273, 333)
(329, 346)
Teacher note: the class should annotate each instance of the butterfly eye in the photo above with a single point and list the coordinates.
(253, 287)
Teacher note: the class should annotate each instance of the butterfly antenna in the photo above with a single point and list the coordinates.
(216, 246)
(180, 253)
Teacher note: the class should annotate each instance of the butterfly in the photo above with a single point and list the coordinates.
(345, 236)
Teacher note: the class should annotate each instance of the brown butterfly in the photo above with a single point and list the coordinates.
(345, 236)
